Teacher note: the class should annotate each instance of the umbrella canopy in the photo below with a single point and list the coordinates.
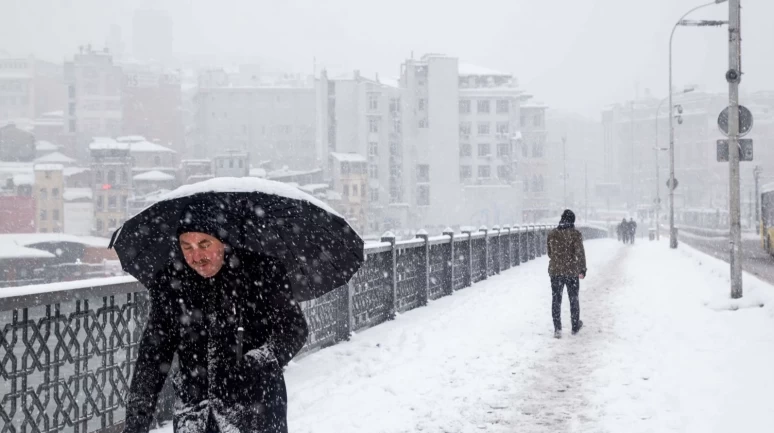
(316, 245)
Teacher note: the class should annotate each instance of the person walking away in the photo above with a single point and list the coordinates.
(566, 266)
(231, 318)
(622, 230)
(632, 230)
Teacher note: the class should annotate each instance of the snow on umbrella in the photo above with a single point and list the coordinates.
(318, 248)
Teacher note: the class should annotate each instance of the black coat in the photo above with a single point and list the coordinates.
(199, 319)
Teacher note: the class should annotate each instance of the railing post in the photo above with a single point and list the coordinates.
(517, 244)
(451, 259)
(496, 262)
(486, 250)
(393, 295)
(345, 314)
(422, 234)
(533, 243)
(469, 281)
(545, 239)
(509, 262)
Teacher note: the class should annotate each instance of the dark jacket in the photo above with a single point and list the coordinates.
(566, 255)
(199, 319)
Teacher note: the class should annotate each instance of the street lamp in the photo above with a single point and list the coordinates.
(680, 22)
(658, 170)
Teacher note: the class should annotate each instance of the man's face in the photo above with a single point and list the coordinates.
(203, 253)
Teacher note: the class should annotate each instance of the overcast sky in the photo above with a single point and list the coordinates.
(577, 55)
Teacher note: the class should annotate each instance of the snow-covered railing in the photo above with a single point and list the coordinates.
(67, 350)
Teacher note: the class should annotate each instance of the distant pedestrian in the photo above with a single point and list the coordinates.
(632, 230)
(622, 231)
(566, 266)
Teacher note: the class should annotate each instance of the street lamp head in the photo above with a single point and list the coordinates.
(689, 89)
(717, 2)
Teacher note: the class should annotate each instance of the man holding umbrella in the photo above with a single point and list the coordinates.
(225, 278)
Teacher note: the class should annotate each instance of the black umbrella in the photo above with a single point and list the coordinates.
(318, 248)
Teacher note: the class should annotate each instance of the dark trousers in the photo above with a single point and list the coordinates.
(557, 287)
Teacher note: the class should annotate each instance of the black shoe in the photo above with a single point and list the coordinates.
(580, 325)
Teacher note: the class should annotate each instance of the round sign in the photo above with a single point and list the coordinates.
(669, 184)
(745, 121)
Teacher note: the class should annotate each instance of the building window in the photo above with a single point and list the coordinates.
(230, 163)
(354, 190)
(157, 161)
(71, 109)
(465, 149)
(525, 183)
(503, 149)
(71, 91)
(466, 172)
(124, 201)
(373, 101)
(421, 104)
(483, 128)
(373, 194)
(345, 193)
(112, 202)
(502, 128)
(464, 106)
(55, 214)
(537, 149)
(484, 149)
(72, 125)
(464, 128)
(484, 172)
(503, 172)
(537, 121)
(523, 121)
(48, 174)
(373, 125)
(503, 107)
(344, 168)
(111, 177)
(394, 105)
(112, 224)
(423, 195)
(423, 173)
(483, 106)
(363, 191)
(524, 150)
(123, 177)
(373, 149)
(54, 192)
(100, 226)
(100, 203)
(241, 164)
(43, 214)
(373, 171)
(43, 194)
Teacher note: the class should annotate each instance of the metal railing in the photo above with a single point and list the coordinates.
(67, 351)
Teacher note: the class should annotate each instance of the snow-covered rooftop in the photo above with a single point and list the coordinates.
(45, 146)
(26, 239)
(349, 157)
(154, 175)
(23, 179)
(72, 194)
(49, 167)
(315, 187)
(56, 157)
(466, 69)
(70, 171)
(257, 172)
(11, 250)
(135, 143)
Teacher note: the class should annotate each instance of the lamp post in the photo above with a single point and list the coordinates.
(658, 169)
(680, 22)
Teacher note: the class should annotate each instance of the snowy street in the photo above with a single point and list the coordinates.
(660, 352)
(649, 359)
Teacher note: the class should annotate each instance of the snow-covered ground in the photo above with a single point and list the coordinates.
(661, 351)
